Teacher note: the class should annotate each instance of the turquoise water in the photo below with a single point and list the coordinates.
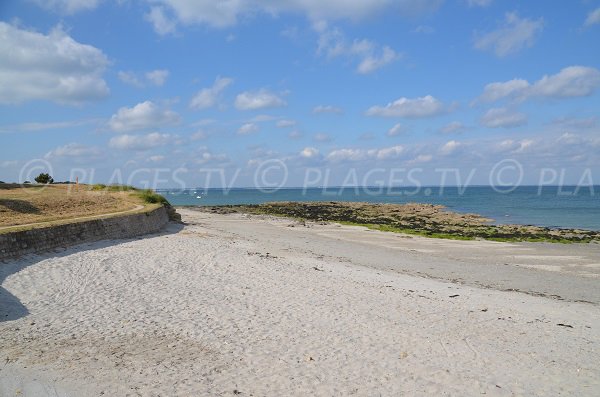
(563, 207)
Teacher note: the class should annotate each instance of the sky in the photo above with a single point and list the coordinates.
(185, 93)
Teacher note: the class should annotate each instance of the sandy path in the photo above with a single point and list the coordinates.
(209, 311)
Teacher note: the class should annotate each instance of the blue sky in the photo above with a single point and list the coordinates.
(118, 91)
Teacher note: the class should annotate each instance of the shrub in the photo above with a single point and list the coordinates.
(113, 188)
(44, 178)
(151, 197)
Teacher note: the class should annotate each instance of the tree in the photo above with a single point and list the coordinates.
(44, 178)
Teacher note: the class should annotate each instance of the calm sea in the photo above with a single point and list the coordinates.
(564, 207)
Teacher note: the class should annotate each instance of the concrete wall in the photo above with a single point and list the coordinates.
(15, 244)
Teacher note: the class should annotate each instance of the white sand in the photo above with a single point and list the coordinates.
(213, 310)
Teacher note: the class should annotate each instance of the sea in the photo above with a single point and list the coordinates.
(551, 206)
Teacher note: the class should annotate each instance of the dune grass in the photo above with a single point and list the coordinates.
(29, 204)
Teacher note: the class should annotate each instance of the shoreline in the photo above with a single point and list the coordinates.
(262, 305)
(427, 220)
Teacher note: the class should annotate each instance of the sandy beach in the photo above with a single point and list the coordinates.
(263, 306)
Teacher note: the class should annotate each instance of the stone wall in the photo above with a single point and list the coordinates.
(16, 244)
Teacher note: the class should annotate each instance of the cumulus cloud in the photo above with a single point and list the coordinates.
(209, 97)
(327, 109)
(503, 117)
(51, 67)
(450, 147)
(44, 126)
(514, 35)
(74, 150)
(162, 23)
(321, 137)
(396, 130)
(352, 155)
(285, 123)
(515, 147)
(154, 77)
(157, 77)
(68, 6)
(142, 116)
(370, 56)
(593, 17)
(139, 142)
(309, 152)
(572, 81)
(295, 134)
(248, 128)
(495, 91)
(223, 14)
(261, 99)
(453, 127)
(421, 107)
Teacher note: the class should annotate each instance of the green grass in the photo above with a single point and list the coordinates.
(150, 197)
(113, 188)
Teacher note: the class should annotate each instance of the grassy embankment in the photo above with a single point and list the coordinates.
(416, 219)
(30, 206)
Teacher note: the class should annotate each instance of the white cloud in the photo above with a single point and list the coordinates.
(593, 17)
(139, 142)
(68, 6)
(8, 163)
(321, 137)
(285, 123)
(199, 135)
(309, 152)
(340, 155)
(453, 127)
(495, 91)
(503, 117)
(426, 106)
(130, 78)
(421, 158)
(51, 67)
(370, 55)
(209, 97)
(162, 24)
(260, 99)
(389, 152)
(248, 128)
(327, 109)
(51, 125)
(206, 156)
(223, 14)
(479, 3)
(515, 147)
(348, 154)
(373, 62)
(515, 34)
(157, 77)
(74, 150)
(156, 159)
(142, 116)
(295, 134)
(396, 130)
(572, 81)
(450, 147)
